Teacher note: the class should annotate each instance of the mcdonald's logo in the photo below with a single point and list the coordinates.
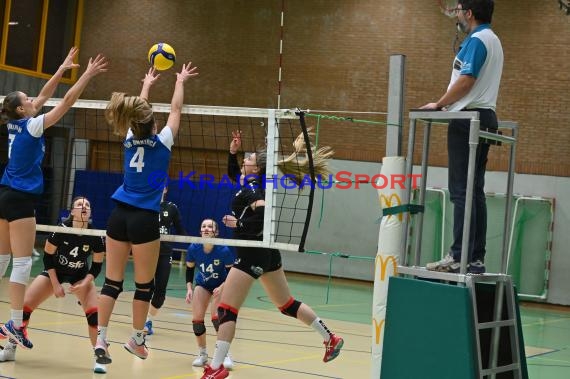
(391, 201)
(384, 260)
(378, 330)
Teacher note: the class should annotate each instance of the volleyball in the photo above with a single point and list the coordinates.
(161, 56)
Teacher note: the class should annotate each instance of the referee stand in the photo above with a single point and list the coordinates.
(444, 325)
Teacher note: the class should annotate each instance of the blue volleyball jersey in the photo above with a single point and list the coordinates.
(480, 56)
(211, 269)
(26, 148)
(146, 168)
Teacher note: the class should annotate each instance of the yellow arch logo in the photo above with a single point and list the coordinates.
(378, 330)
(383, 261)
(391, 201)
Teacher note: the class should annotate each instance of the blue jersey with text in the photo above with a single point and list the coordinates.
(480, 56)
(211, 269)
(26, 148)
(146, 167)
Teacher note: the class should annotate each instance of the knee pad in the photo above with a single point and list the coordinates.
(158, 299)
(112, 288)
(226, 313)
(21, 268)
(91, 314)
(27, 314)
(291, 308)
(144, 291)
(199, 327)
(216, 323)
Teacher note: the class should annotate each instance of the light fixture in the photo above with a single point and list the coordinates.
(13, 23)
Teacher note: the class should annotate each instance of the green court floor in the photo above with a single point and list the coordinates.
(546, 329)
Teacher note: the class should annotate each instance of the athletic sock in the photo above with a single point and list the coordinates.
(320, 327)
(222, 348)
(138, 336)
(102, 333)
(17, 316)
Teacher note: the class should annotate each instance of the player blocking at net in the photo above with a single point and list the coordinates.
(133, 225)
(22, 184)
(252, 263)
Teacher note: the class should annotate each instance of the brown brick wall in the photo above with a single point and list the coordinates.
(335, 57)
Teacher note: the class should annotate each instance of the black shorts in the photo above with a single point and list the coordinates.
(132, 224)
(257, 261)
(16, 205)
(67, 278)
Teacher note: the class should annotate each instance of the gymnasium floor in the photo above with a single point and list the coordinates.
(267, 345)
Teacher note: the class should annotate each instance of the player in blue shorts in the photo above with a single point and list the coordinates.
(22, 183)
(133, 225)
(213, 263)
(66, 261)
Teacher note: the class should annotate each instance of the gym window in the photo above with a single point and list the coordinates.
(36, 35)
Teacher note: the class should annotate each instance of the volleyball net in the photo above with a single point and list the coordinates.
(84, 158)
(335, 223)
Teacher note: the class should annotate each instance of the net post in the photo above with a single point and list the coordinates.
(395, 105)
(509, 203)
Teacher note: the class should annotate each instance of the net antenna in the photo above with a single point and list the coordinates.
(448, 7)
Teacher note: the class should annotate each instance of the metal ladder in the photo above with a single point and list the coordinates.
(503, 291)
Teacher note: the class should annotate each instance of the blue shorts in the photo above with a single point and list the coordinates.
(210, 289)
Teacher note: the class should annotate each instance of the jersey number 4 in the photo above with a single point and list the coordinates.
(137, 160)
(73, 252)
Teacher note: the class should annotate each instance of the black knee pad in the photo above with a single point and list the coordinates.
(216, 324)
(291, 308)
(158, 300)
(226, 313)
(199, 327)
(27, 313)
(144, 291)
(112, 288)
(92, 316)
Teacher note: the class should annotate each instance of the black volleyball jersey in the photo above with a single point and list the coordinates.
(250, 223)
(170, 221)
(73, 250)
